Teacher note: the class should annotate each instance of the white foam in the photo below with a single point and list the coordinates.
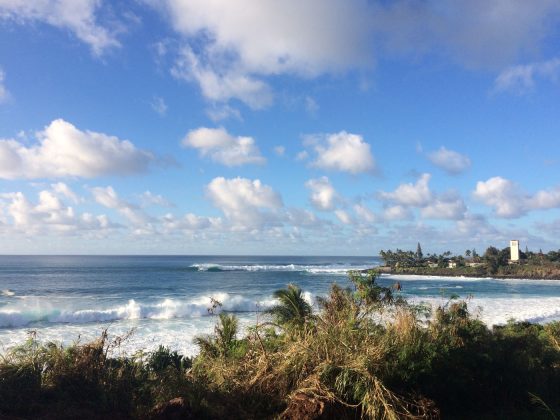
(498, 310)
(19, 315)
(7, 293)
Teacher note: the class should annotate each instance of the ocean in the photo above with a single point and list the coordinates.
(165, 299)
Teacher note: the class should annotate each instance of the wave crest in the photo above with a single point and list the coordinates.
(165, 309)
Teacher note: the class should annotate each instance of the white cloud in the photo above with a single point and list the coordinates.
(448, 205)
(279, 150)
(343, 216)
(147, 198)
(417, 194)
(452, 208)
(158, 105)
(236, 50)
(232, 54)
(510, 201)
(522, 78)
(222, 147)
(61, 189)
(246, 203)
(503, 195)
(4, 94)
(397, 212)
(222, 86)
(77, 16)
(63, 150)
(189, 222)
(223, 112)
(450, 161)
(109, 198)
(365, 214)
(49, 215)
(345, 152)
(323, 195)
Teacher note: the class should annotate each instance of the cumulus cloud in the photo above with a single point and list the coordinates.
(63, 150)
(147, 198)
(108, 197)
(189, 222)
(522, 78)
(77, 16)
(49, 214)
(345, 152)
(419, 195)
(397, 212)
(508, 199)
(236, 50)
(450, 161)
(445, 207)
(323, 195)
(4, 94)
(246, 203)
(221, 86)
(343, 216)
(63, 190)
(364, 213)
(222, 147)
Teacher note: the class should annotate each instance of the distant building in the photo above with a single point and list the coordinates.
(514, 251)
(452, 264)
(433, 265)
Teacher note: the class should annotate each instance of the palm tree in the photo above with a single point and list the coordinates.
(293, 310)
(224, 340)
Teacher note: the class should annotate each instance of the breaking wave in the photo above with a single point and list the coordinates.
(27, 314)
(336, 269)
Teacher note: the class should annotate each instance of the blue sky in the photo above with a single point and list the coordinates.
(264, 127)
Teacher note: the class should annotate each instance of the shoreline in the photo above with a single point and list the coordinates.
(448, 272)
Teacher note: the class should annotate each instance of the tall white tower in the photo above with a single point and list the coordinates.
(514, 250)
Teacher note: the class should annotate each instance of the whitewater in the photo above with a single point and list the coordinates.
(168, 299)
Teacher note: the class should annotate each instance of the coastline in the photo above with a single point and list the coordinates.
(466, 272)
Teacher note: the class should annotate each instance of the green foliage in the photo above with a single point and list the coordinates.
(163, 358)
(292, 311)
(223, 343)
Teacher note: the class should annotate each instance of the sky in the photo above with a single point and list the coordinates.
(300, 127)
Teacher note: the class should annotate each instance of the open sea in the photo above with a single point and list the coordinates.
(165, 299)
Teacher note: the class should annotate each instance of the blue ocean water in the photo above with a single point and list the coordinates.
(165, 299)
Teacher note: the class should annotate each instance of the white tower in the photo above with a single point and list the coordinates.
(514, 250)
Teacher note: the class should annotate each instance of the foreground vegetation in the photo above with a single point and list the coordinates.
(366, 353)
